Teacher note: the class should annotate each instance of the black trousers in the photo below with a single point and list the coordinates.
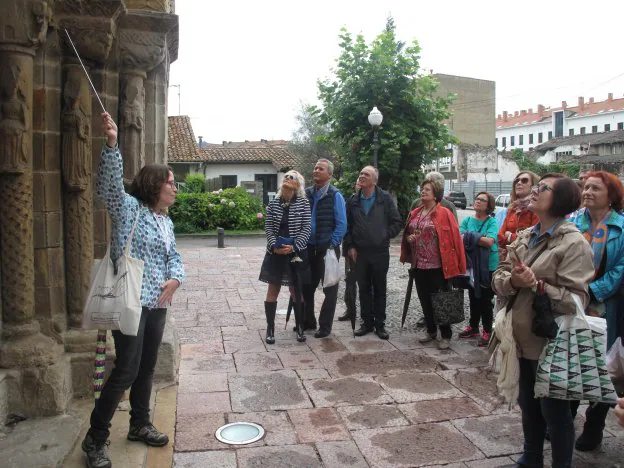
(134, 369)
(316, 257)
(428, 282)
(371, 272)
(481, 309)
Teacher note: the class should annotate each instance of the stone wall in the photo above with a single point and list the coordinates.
(51, 225)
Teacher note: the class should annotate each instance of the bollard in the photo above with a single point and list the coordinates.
(220, 238)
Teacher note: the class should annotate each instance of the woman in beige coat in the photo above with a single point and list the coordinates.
(553, 251)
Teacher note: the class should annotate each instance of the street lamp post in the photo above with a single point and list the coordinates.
(375, 118)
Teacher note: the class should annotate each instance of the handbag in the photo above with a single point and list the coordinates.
(573, 365)
(448, 305)
(114, 300)
(333, 274)
(544, 324)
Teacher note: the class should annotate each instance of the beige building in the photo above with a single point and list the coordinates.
(51, 225)
(473, 121)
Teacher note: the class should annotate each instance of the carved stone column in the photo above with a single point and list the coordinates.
(23, 26)
(143, 42)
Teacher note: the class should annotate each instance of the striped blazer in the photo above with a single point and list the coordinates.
(299, 220)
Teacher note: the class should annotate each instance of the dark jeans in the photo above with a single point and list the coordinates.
(134, 367)
(350, 288)
(316, 257)
(428, 282)
(372, 270)
(481, 309)
(539, 413)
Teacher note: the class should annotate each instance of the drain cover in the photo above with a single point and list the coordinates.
(239, 433)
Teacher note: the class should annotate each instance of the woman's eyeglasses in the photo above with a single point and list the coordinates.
(541, 188)
(482, 200)
(291, 177)
(171, 184)
(524, 180)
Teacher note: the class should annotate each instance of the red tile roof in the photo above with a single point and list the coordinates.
(182, 145)
(239, 153)
(543, 114)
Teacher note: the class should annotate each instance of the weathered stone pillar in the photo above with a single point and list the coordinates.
(23, 27)
(145, 39)
(92, 27)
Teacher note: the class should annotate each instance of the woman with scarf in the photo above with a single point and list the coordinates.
(602, 225)
(287, 228)
(479, 233)
(518, 216)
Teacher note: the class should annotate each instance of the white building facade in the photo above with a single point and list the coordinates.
(527, 129)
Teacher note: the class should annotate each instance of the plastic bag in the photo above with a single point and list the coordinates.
(615, 364)
(333, 272)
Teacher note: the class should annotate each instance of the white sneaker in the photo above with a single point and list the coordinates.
(427, 338)
(444, 343)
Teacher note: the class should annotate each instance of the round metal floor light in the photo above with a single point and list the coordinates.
(239, 433)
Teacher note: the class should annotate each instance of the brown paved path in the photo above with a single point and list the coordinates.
(334, 402)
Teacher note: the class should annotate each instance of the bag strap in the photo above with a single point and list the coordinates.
(529, 263)
(131, 236)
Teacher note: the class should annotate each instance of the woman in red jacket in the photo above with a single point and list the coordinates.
(433, 246)
(518, 216)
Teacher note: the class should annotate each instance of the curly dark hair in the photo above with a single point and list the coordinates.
(491, 204)
(147, 184)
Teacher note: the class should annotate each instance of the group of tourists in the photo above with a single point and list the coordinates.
(566, 237)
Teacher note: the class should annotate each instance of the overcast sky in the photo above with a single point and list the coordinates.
(244, 66)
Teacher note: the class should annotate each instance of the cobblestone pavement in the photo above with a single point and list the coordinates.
(333, 402)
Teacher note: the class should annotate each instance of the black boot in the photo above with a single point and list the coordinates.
(345, 317)
(299, 323)
(591, 437)
(269, 310)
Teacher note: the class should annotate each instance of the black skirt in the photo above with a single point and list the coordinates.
(279, 269)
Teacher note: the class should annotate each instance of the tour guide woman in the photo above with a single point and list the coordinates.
(555, 252)
(287, 228)
(152, 191)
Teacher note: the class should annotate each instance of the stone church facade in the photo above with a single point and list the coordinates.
(51, 225)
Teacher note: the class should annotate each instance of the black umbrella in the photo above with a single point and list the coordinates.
(350, 292)
(408, 297)
(298, 287)
(288, 311)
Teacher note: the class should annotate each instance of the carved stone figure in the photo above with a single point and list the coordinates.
(14, 148)
(76, 128)
(133, 122)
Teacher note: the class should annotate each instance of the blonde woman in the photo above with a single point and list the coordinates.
(287, 228)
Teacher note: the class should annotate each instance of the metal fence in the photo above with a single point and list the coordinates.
(471, 188)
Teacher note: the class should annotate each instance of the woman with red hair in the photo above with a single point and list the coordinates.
(602, 226)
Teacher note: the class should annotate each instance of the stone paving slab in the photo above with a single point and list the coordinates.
(347, 391)
(409, 387)
(440, 410)
(203, 403)
(366, 344)
(410, 446)
(207, 364)
(494, 435)
(312, 374)
(329, 345)
(300, 360)
(372, 416)
(197, 351)
(278, 428)
(340, 454)
(478, 385)
(197, 432)
(212, 459)
(202, 383)
(290, 456)
(279, 390)
(257, 362)
(384, 362)
(318, 425)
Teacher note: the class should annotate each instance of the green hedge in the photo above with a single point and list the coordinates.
(231, 208)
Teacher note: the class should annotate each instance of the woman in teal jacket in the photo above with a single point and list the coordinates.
(602, 225)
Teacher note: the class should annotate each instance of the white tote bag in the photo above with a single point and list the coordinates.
(114, 301)
(333, 272)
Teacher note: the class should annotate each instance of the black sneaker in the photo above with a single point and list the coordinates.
(97, 454)
(149, 435)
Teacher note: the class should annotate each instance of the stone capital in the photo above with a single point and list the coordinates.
(24, 23)
(91, 25)
(145, 39)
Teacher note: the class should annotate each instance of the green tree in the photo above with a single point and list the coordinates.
(527, 162)
(310, 141)
(386, 74)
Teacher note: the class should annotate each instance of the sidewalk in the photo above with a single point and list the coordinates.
(333, 402)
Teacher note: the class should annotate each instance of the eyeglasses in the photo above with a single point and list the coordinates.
(171, 184)
(482, 200)
(291, 177)
(524, 180)
(541, 188)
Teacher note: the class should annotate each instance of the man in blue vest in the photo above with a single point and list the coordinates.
(329, 225)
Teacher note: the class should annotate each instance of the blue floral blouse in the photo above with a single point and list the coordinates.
(161, 262)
